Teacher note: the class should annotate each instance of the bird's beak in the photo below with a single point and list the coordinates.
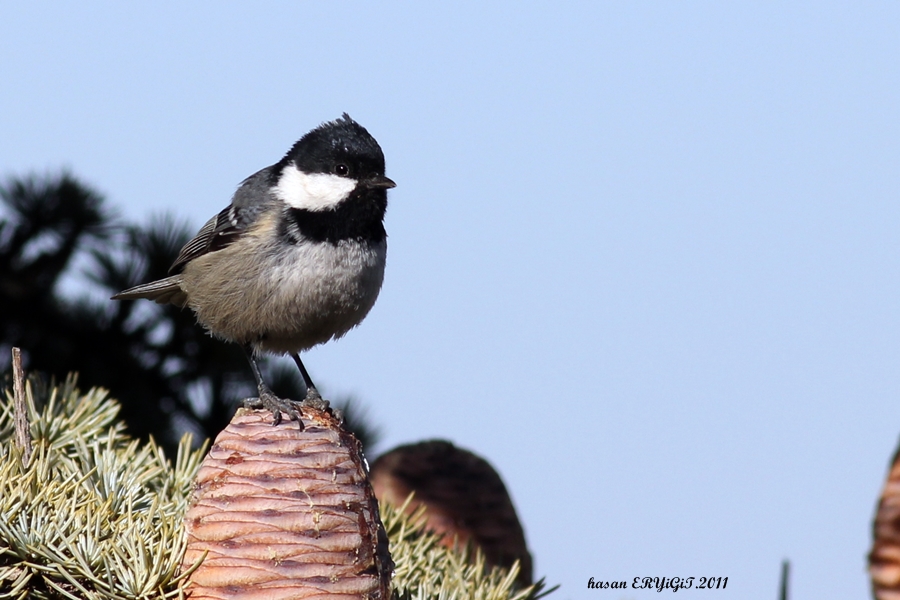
(380, 181)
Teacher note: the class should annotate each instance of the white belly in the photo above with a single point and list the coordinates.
(287, 301)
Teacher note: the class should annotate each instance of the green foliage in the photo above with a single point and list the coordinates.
(94, 514)
(427, 570)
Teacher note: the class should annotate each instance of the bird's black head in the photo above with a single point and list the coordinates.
(341, 147)
(332, 183)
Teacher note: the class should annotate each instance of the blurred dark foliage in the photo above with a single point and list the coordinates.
(168, 374)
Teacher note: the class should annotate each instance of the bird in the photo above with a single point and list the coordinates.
(297, 259)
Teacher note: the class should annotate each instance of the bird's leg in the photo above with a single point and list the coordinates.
(313, 397)
(267, 399)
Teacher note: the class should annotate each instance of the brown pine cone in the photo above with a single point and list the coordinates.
(464, 499)
(884, 560)
(283, 513)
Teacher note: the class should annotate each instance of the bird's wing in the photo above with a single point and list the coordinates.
(227, 226)
(250, 199)
(218, 232)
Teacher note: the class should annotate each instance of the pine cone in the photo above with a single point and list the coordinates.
(283, 513)
(464, 499)
(884, 560)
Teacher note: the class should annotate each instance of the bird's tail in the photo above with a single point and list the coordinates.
(162, 291)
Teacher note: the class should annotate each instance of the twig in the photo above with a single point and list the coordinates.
(20, 410)
(785, 573)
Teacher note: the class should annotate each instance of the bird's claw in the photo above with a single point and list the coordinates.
(315, 400)
(276, 405)
(269, 401)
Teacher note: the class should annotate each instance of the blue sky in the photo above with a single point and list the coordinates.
(643, 255)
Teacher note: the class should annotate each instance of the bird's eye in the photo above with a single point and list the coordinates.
(341, 169)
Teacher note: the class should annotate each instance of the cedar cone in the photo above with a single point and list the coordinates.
(884, 560)
(464, 498)
(283, 513)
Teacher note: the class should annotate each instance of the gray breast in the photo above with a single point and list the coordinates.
(287, 301)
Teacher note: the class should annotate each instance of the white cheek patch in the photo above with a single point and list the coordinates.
(316, 191)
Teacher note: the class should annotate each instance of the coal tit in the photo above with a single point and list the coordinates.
(296, 260)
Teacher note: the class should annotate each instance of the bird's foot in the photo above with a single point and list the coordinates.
(268, 400)
(315, 400)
